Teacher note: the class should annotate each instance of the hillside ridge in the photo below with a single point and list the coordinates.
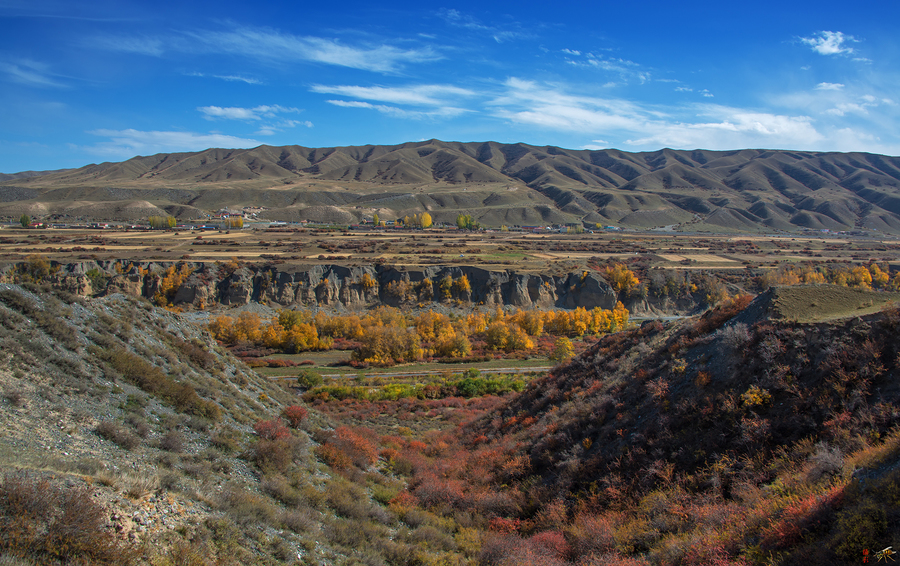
(513, 184)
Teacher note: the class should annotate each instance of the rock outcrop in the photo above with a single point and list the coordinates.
(201, 285)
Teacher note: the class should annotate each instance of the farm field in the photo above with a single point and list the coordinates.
(522, 252)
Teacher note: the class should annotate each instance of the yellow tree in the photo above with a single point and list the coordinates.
(620, 316)
(425, 220)
(462, 286)
(880, 278)
(562, 349)
(622, 279)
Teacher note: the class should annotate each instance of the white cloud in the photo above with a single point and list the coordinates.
(443, 112)
(128, 143)
(276, 46)
(235, 113)
(830, 43)
(860, 107)
(422, 95)
(29, 72)
(706, 93)
(733, 128)
(627, 69)
(596, 145)
(829, 86)
(229, 78)
(238, 78)
(701, 125)
(458, 19)
(152, 46)
(683, 89)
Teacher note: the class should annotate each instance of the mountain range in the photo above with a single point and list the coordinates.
(747, 190)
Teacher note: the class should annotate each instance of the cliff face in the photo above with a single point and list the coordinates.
(202, 285)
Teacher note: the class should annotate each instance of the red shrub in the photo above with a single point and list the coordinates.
(551, 542)
(271, 430)
(295, 415)
(404, 500)
(800, 516)
(504, 525)
(345, 447)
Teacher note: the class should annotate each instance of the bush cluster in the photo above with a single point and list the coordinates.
(152, 380)
(50, 524)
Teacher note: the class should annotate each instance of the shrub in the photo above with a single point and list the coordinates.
(278, 487)
(152, 380)
(358, 446)
(48, 523)
(225, 439)
(295, 415)
(172, 441)
(862, 526)
(735, 336)
(272, 429)
(247, 508)
(118, 434)
(273, 455)
(307, 379)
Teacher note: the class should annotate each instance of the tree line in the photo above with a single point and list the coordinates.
(386, 335)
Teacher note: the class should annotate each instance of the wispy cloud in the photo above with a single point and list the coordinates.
(498, 33)
(420, 95)
(830, 43)
(596, 145)
(237, 113)
(625, 68)
(729, 128)
(275, 46)
(701, 125)
(152, 46)
(31, 73)
(271, 117)
(442, 112)
(272, 129)
(229, 78)
(128, 143)
(829, 86)
(440, 101)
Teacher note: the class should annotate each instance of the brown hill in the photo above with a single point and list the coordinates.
(747, 190)
(728, 438)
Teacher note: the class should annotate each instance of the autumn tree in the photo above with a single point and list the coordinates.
(234, 222)
(462, 286)
(562, 349)
(622, 279)
(454, 344)
(446, 286)
(161, 222)
(387, 345)
(466, 222)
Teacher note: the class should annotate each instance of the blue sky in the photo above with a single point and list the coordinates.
(87, 82)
